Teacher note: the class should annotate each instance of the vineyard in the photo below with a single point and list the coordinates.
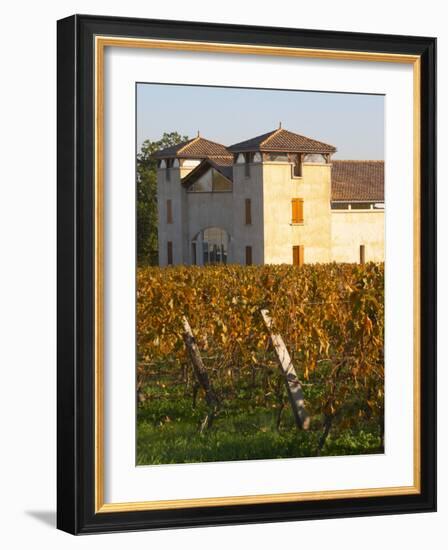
(331, 319)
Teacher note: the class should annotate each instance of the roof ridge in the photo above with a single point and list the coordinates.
(189, 142)
(214, 142)
(200, 138)
(356, 160)
(271, 135)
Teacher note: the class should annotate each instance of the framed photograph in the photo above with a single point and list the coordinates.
(246, 274)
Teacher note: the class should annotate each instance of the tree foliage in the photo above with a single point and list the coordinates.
(147, 196)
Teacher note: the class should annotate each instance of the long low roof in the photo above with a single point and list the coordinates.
(357, 180)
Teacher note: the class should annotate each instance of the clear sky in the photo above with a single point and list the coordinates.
(353, 123)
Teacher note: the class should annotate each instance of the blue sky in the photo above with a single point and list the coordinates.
(353, 123)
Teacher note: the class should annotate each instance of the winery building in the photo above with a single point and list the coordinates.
(272, 199)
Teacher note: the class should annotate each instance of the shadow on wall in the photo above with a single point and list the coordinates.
(47, 517)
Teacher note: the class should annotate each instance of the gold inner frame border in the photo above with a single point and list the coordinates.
(101, 42)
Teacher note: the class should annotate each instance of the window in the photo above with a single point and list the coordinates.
(339, 205)
(315, 158)
(278, 157)
(220, 183)
(215, 244)
(169, 249)
(211, 181)
(298, 255)
(190, 163)
(248, 212)
(194, 259)
(362, 254)
(297, 210)
(356, 206)
(297, 165)
(169, 211)
(247, 160)
(248, 255)
(204, 183)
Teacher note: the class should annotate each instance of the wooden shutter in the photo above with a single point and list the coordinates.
(298, 255)
(248, 212)
(248, 255)
(169, 211)
(169, 248)
(362, 254)
(297, 210)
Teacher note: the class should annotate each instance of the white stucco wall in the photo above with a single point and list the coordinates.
(253, 234)
(170, 189)
(352, 228)
(191, 213)
(161, 226)
(326, 235)
(280, 234)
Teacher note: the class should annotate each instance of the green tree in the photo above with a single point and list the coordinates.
(147, 249)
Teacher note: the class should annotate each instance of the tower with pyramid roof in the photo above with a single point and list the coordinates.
(287, 178)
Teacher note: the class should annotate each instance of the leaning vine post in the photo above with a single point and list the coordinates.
(293, 386)
(200, 374)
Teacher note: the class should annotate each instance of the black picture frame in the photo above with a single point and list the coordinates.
(76, 272)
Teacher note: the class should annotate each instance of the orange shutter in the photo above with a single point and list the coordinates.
(297, 210)
(298, 256)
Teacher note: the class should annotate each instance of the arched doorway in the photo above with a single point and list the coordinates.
(210, 246)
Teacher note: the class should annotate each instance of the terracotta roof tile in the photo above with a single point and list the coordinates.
(198, 148)
(357, 180)
(223, 161)
(282, 140)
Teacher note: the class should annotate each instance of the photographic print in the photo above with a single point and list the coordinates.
(231, 347)
(260, 274)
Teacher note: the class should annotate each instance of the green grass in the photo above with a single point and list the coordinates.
(168, 431)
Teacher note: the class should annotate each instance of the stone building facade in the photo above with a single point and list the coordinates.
(276, 198)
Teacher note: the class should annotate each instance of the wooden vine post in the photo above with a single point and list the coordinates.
(293, 386)
(201, 374)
